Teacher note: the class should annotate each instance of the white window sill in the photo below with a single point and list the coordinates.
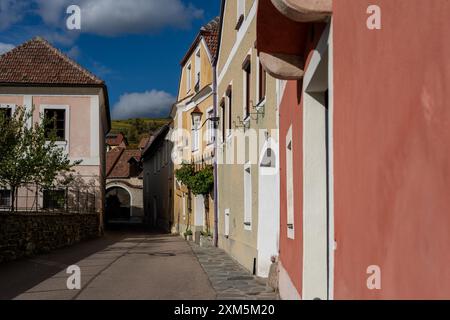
(291, 233)
(261, 105)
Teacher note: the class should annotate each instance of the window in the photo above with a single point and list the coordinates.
(197, 70)
(248, 208)
(195, 135)
(290, 184)
(54, 199)
(188, 77)
(229, 108)
(240, 13)
(261, 83)
(5, 198)
(246, 66)
(211, 128)
(222, 108)
(55, 123)
(6, 112)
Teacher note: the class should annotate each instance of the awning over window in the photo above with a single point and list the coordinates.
(281, 39)
(305, 10)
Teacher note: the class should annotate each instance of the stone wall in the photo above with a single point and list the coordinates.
(24, 235)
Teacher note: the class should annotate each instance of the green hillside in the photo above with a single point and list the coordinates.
(135, 129)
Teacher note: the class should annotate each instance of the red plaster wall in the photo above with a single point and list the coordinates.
(291, 113)
(392, 149)
(291, 251)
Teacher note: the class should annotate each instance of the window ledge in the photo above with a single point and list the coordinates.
(261, 104)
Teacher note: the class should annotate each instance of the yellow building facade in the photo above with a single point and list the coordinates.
(194, 141)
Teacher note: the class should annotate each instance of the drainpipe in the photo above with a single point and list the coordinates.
(216, 209)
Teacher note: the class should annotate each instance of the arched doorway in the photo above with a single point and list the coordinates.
(118, 205)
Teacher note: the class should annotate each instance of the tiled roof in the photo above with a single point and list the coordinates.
(115, 139)
(210, 32)
(38, 62)
(111, 159)
(121, 167)
(155, 140)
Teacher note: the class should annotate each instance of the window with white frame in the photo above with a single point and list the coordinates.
(248, 207)
(56, 119)
(290, 184)
(195, 135)
(229, 95)
(189, 77)
(262, 76)
(240, 13)
(211, 135)
(197, 70)
(247, 75)
(223, 119)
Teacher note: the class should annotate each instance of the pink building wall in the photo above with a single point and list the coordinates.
(391, 149)
(79, 125)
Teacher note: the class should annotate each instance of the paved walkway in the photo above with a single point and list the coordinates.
(230, 280)
(132, 266)
(118, 266)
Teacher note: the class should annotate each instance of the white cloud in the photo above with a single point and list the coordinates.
(152, 103)
(118, 17)
(5, 47)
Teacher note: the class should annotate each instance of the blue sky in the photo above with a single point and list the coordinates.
(134, 45)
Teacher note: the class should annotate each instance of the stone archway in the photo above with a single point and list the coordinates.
(118, 204)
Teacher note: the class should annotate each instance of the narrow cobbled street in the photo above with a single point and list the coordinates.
(129, 265)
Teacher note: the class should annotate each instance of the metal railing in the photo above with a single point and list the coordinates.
(57, 200)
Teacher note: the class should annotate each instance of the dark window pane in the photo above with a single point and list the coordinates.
(5, 198)
(262, 83)
(54, 199)
(230, 108)
(6, 113)
(55, 123)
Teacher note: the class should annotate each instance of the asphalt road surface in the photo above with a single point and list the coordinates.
(121, 265)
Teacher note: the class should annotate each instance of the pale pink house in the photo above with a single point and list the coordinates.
(37, 74)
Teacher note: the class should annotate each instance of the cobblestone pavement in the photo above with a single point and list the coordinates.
(230, 280)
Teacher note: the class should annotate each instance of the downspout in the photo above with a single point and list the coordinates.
(216, 209)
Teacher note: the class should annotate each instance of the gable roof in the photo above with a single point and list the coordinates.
(38, 62)
(118, 162)
(115, 139)
(210, 33)
(156, 140)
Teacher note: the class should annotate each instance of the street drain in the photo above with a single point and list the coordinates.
(154, 254)
(241, 278)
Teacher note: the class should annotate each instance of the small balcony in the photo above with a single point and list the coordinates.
(305, 10)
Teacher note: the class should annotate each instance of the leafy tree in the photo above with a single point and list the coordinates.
(28, 154)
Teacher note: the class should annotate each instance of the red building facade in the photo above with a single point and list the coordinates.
(364, 151)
